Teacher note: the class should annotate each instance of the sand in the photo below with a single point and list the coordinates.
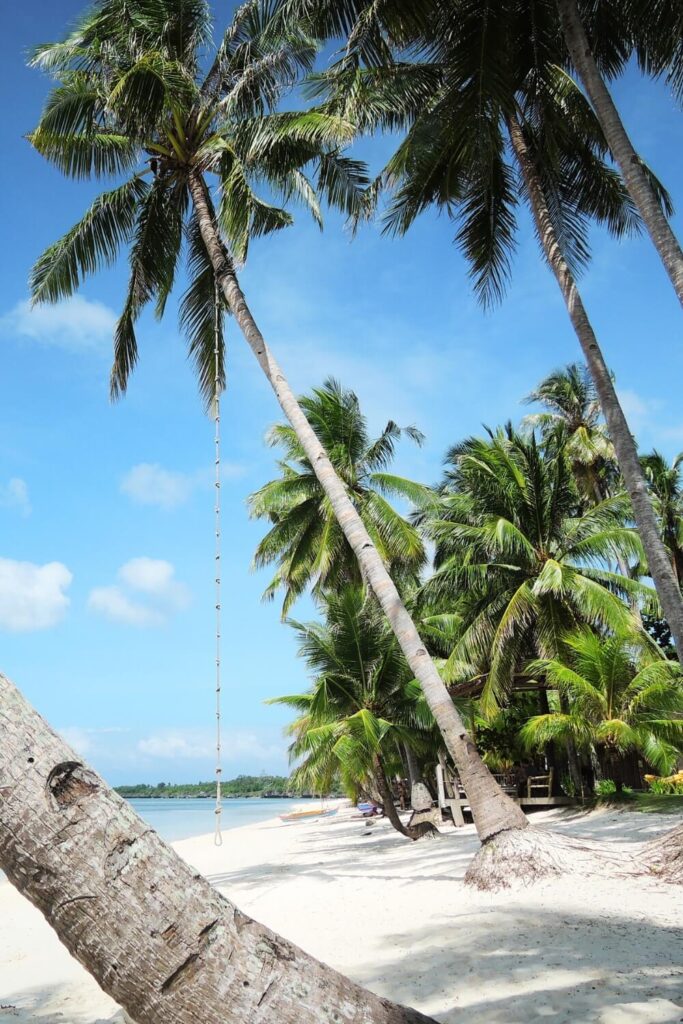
(396, 917)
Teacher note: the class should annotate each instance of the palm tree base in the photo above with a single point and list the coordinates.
(665, 859)
(521, 857)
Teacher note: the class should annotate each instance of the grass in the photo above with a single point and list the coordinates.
(660, 803)
(647, 803)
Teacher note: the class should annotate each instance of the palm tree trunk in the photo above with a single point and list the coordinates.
(622, 439)
(389, 806)
(630, 164)
(492, 810)
(155, 935)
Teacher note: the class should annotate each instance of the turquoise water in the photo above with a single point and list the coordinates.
(177, 819)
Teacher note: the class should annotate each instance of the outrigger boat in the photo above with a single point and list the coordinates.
(306, 813)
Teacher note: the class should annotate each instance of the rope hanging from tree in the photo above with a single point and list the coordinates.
(218, 836)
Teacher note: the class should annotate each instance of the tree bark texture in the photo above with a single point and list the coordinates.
(629, 163)
(492, 810)
(156, 936)
(659, 563)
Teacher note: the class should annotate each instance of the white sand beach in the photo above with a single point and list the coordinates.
(396, 917)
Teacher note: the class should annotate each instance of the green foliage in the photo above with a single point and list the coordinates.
(606, 788)
(362, 702)
(521, 558)
(305, 541)
(453, 79)
(663, 787)
(242, 786)
(621, 695)
(131, 92)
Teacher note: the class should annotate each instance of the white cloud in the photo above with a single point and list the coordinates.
(148, 483)
(75, 323)
(32, 596)
(151, 484)
(14, 495)
(175, 745)
(154, 579)
(114, 604)
(200, 744)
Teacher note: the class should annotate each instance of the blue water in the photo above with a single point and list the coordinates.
(175, 818)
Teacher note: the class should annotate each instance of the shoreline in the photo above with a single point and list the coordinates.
(396, 917)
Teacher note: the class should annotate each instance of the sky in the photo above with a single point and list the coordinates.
(106, 533)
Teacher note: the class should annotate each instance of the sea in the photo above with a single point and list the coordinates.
(177, 818)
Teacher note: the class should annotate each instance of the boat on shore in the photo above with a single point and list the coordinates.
(307, 813)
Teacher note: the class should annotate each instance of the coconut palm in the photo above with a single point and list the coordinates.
(487, 115)
(522, 559)
(362, 706)
(306, 541)
(657, 32)
(572, 405)
(622, 695)
(665, 484)
(131, 93)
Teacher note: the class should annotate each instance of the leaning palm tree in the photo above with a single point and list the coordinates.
(132, 97)
(656, 29)
(523, 560)
(622, 695)
(488, 115)
(664, 479)
(306, 541)
(362, 705)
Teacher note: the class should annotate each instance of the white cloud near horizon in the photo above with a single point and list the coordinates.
(76, 323)
(148, 483)
(14, 495)
(200, 744)
(32, 596)
(154, 579)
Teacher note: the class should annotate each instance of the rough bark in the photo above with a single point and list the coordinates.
(621, 147)
(492, 810)
(522, 858)
(420, 797)
(624, 445)
(389, 807)
(157, 937)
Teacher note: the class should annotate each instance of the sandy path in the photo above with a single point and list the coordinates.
(397, 918)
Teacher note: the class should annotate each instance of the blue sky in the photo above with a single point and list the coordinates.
(106, 545)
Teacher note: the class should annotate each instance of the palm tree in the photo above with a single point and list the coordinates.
(667, 492)
(157, 936)
(131, 92)
(622, 695)
(521, 559)
(362, 705)
(572, 405)
(655, 58)
(306, 541)
(484, 92)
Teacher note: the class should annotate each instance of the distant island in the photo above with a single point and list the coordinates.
(243, 786)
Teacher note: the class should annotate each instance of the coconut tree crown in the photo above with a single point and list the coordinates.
(305, 540)
(133, 97)
(521, 559)
(621, 695)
